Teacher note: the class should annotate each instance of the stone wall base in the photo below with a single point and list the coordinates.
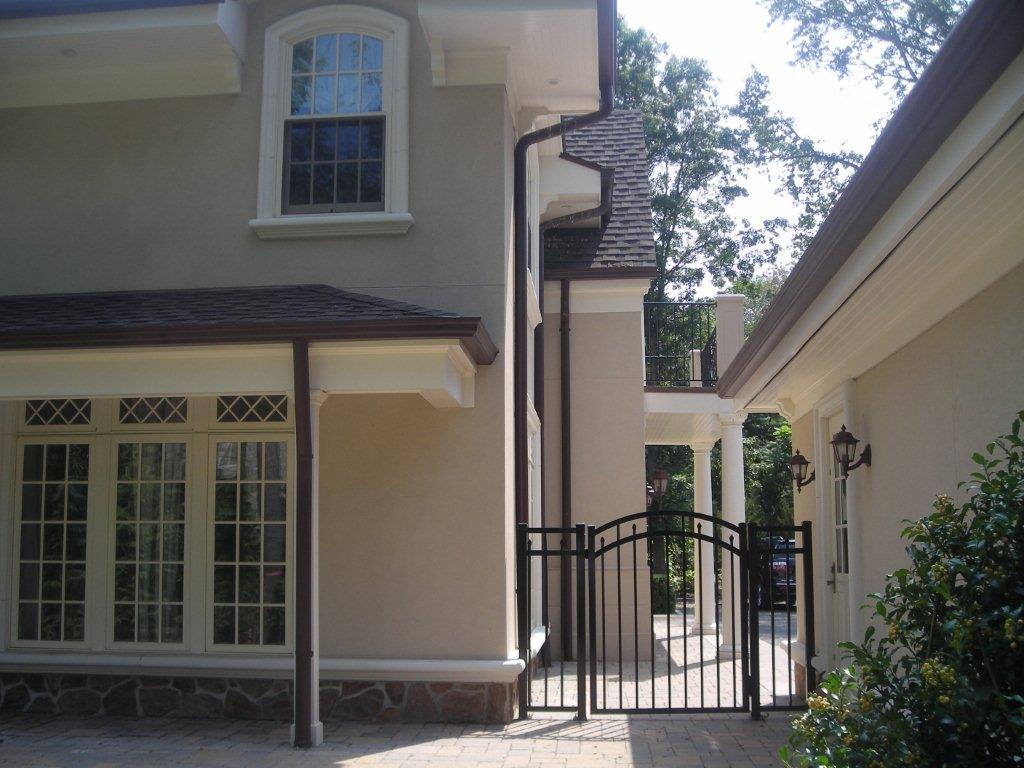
(254, 699)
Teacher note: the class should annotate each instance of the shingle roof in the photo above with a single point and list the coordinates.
(221, 315)
(628, 238)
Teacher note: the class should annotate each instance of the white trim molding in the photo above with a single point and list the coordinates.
(395, 219)
(262, 666)
(439, 370)
(598, 295)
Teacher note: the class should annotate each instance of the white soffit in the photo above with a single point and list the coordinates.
(954, 231)
(191, 50)
(683, 418)
(438, 369)
(545, 50)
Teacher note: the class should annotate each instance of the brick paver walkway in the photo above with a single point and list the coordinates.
(712, 741)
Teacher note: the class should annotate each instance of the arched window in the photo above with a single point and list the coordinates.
(334, 144)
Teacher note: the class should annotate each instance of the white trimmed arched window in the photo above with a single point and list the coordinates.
(334, 141)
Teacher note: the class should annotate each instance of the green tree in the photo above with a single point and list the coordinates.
(760, 290)
(890, 41)
(942, 683)
(696, 169)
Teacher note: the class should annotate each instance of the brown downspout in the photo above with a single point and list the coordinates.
(304, 560)
(606, 20)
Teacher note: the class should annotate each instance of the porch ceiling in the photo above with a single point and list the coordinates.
(683, 417)
(166, 49)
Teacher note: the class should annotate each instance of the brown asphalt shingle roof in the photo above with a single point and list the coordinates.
(628, 238)
(221, 315)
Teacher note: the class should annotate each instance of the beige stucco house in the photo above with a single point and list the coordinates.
(903, 320)
(273, 332)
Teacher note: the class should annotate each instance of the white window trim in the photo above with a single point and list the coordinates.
(191, 521)
(197, 649)
(210, 490)
(395, 219)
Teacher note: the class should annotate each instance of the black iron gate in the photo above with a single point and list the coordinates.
(663, 612)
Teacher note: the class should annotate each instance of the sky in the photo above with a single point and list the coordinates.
(734, 36)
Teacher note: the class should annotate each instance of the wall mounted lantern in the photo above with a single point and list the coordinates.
(844, 448)
(798, 469)
(659, 483)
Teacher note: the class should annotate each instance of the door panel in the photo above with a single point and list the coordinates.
(838, 574)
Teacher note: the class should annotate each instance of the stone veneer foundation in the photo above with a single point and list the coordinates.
(254, 699)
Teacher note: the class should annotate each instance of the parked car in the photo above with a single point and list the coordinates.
(775, 572)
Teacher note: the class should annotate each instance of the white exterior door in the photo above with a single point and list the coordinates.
(838, 562)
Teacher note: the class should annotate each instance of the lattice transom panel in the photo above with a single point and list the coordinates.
(57, 412)
(153, 410)
(252, 409)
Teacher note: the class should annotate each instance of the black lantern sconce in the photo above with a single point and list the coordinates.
(844, 448)
(659, 484)
(798, 469)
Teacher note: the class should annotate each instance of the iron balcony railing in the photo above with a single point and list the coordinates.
(673, 330)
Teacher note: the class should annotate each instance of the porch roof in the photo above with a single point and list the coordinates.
(227, 315)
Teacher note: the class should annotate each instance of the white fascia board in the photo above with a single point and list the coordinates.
(168, 17)
(990, 117)
(686, 402)
(598, 295)
(124, 372)
(438, 369)
(563, 181)
(274, 666)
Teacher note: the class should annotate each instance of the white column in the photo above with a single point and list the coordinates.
(704, 566)
(733, 511)
(316, 399)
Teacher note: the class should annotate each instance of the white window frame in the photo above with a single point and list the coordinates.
(246, 436)
(200, 434)
(95, 609)
(395, 219)
(192, 523)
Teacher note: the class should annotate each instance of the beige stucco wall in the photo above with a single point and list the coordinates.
(416, 503)
(925, 410)
(928, 407)
(158, 193)
(608, 449)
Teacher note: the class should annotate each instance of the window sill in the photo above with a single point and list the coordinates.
(331, 225)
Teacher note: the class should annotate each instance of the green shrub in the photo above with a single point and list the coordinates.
(944, 684)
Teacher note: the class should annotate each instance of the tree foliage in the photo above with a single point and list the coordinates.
(890, 41)
(944, 684)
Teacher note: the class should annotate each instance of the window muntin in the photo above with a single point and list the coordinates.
(149, 542)
(250, 542)
(252, 409)
(58, 412)
(334, 158)
(52, 542)
(152, 410)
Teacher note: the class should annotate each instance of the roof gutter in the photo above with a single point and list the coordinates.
(988, 37)
(606, 22)
(469, 331)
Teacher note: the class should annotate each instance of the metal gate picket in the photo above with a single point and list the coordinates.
(774, 550)
(688, 667)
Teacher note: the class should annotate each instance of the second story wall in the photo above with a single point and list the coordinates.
(158, 194)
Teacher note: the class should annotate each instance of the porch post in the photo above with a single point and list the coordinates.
(704, 575)
(307, 730)
(733, 511)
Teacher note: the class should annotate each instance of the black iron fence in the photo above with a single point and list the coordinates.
(598, 635)
(675, 333)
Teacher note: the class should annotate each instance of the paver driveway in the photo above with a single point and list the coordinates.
(685, 742)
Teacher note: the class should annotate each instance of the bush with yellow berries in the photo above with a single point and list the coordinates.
(943, 685)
